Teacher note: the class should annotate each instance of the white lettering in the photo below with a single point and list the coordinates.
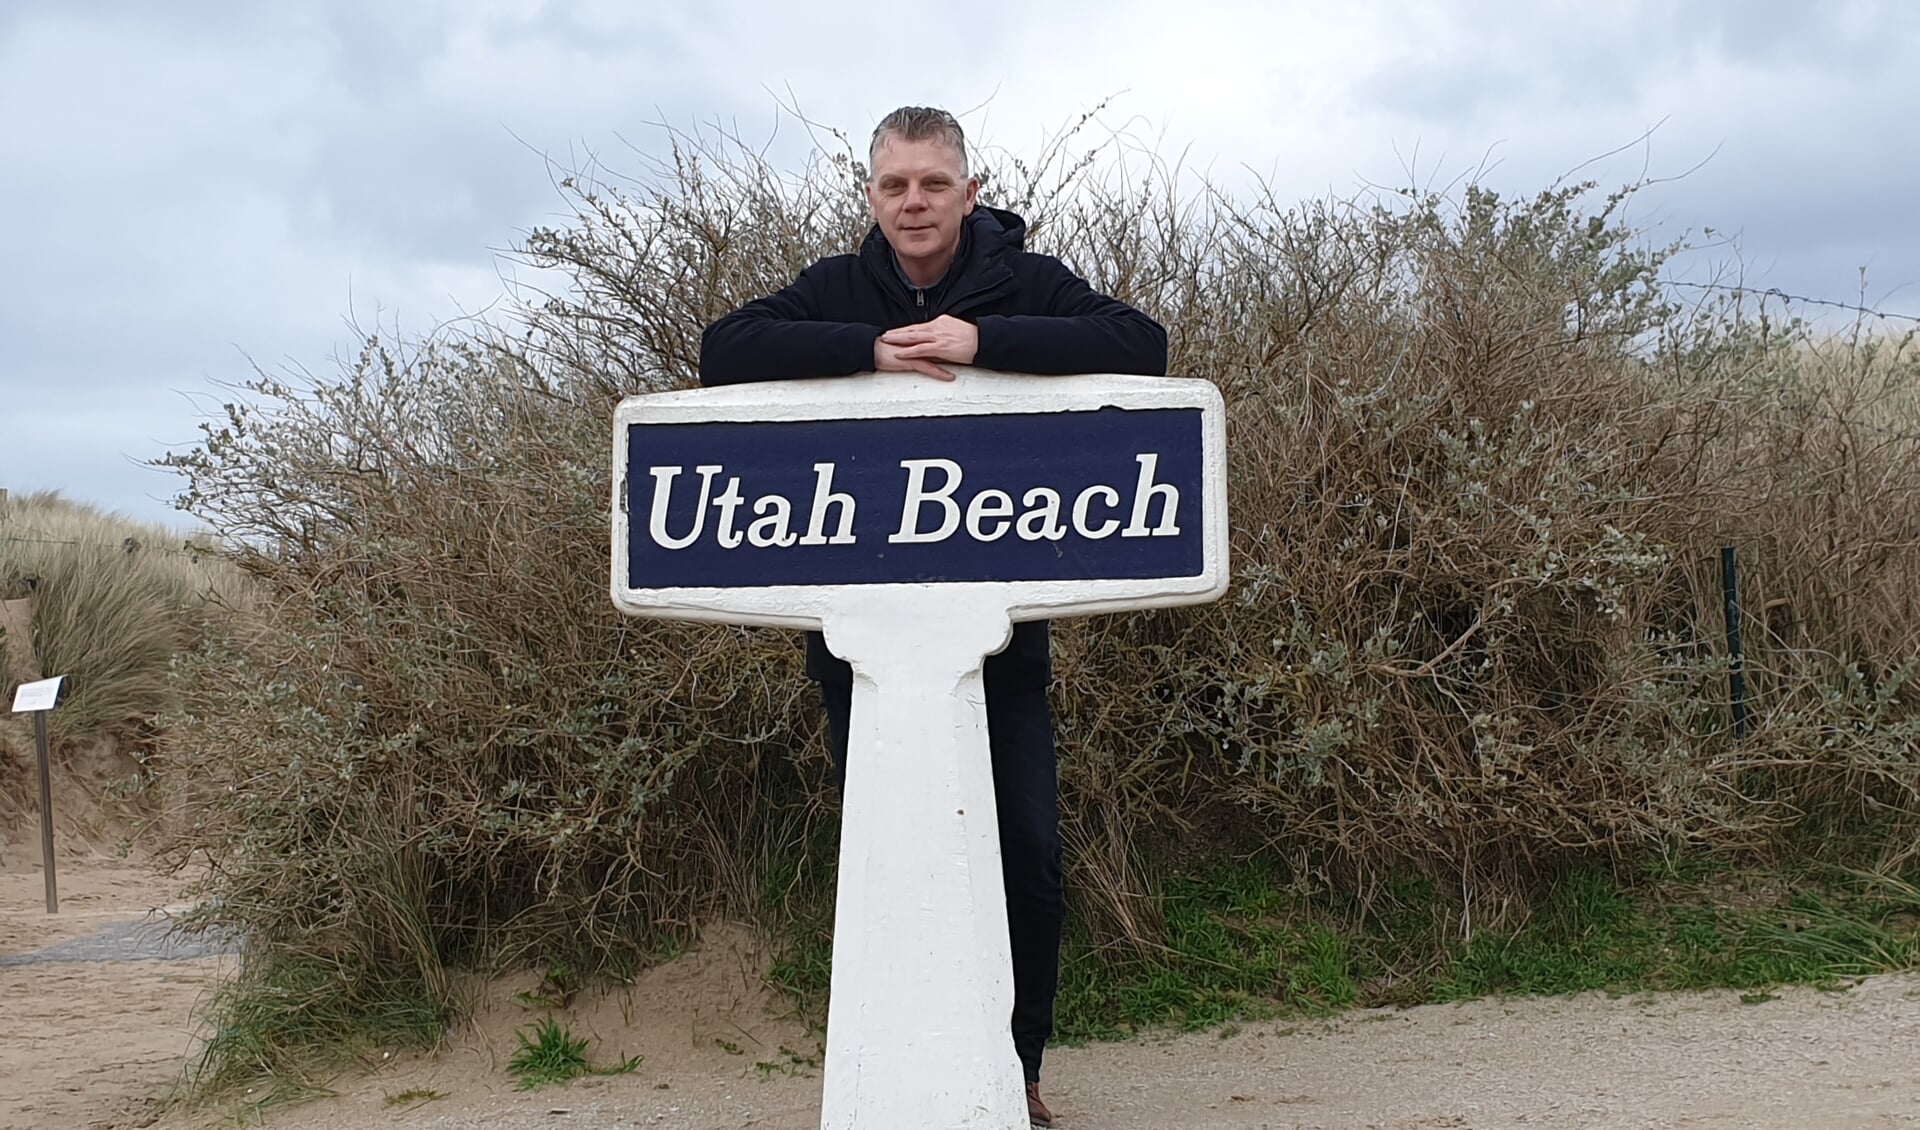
(823, 497)
(662, 488)
(1143, 495)
(1001, 512)
(772, 529)
(728, 501)
(1085, 500)
(1048, 525)
(932, 509)
(917, 494)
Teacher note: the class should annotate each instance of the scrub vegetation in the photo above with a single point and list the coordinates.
(1460, 726)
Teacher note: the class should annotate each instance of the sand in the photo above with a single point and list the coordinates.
(93, 1043)
(96, 1024)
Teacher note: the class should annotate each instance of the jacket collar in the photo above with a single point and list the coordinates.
(979, 267)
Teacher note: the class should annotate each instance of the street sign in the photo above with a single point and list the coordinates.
(757, 504)
(913, 522)
(1003, 497)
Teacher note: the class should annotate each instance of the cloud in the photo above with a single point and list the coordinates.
(192, 187)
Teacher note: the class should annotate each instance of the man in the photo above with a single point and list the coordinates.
(939, 281)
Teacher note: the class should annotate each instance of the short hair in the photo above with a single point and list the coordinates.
(919, 123)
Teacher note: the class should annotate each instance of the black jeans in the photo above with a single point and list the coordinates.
(1026, 794)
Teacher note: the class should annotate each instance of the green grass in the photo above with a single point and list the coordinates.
(554, 1055)
(556, 988)
(288, 1023)
(1240, 946)
(1233, 952)
(802, 968)
(1594, 936)
(802, 1065)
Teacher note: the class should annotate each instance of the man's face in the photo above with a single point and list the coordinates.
(919, 198)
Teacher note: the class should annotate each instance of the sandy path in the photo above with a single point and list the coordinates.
(86, 1042)
(1808, 1059)
(89, 1038)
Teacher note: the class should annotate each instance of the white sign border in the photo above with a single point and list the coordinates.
(974, 392)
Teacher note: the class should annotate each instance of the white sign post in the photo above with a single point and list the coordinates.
(37, 699)
(914, 522)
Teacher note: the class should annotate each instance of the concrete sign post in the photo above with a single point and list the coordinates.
(37, 699)
(914, 522)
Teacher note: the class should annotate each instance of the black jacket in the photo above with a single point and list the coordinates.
(1034, 316)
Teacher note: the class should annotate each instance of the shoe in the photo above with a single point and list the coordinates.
(1037, 1112)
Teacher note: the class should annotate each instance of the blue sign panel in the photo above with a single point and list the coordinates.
(1107, 494)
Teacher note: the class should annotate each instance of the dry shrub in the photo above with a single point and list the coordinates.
(439, 742)
(1481, 467)
(1481, 470)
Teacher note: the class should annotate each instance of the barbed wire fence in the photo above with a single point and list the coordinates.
(1786, 298)
(125, 545)
(1796, 299)
(16, 532)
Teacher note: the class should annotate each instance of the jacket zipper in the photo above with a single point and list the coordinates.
(954, 304)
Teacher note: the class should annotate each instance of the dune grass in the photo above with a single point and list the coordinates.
(115, 602)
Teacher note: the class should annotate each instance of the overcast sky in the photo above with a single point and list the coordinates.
(190, 188)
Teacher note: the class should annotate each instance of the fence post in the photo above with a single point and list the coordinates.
(18, 662)
(1736, 660)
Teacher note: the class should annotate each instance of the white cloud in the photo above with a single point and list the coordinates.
(190, 184)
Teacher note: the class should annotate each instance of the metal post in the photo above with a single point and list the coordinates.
(1736, 660)
(46, 808)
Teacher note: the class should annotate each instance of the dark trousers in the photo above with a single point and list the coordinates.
(1027, 795)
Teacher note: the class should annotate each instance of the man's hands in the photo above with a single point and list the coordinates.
(919, 348)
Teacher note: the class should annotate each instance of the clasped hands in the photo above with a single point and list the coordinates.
(921, 347)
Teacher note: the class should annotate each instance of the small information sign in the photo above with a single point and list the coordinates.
(37, 696)
(36, 699)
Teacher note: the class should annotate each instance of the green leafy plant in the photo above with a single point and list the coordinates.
(792, 1063)
(554, 1055)
(556, 988)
